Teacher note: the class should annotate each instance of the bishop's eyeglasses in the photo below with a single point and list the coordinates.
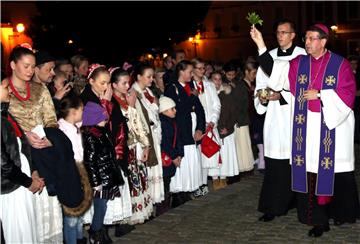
(310, 38)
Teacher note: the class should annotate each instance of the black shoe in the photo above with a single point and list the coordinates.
(106, 237)
(123, 229)
(81, 241)
(317, 231)
(267, 217)
(96, 237)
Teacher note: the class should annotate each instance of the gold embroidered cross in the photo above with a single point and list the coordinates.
(330, 80)
(299, 160)
(302, 79)
(327, 163)
(300, 119)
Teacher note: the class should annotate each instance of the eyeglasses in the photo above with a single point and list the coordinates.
(281, 33)
(311, 39)
(200, 68)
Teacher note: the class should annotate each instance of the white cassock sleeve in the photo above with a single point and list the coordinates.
(334, 109)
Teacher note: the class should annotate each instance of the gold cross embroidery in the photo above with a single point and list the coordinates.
(301, 99)
(330, 80)
(302, 79)
(327, 163)
(327, 141)
(298, 139)
(299, 160)
(300, 119)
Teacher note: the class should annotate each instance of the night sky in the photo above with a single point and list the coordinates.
(111, 32)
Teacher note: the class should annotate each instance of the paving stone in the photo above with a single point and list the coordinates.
(230, 216)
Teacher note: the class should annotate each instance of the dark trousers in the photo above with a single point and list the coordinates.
(276, 196)
(99, 213)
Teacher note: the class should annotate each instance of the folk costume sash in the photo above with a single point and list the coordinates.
(325, 176)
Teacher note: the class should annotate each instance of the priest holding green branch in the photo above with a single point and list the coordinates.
(322, 120)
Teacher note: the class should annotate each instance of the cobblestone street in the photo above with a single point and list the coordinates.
(230, 216)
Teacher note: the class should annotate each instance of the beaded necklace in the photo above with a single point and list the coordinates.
(16, 93)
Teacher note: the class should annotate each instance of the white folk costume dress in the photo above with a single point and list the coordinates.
(39, 110)
(188, 177)
(155, 173)
(142, 203)
(277, 149)
(17, 210)
(242, 132)
(322, 135)
(229, 164)
(211, 104)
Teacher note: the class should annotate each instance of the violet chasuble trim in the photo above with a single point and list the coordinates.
(325, 176)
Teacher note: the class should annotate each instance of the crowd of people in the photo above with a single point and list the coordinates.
(88, 145)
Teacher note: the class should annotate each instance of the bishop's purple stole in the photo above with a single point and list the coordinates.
(325, 176)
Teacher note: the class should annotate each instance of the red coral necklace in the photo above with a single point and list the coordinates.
(16, 93)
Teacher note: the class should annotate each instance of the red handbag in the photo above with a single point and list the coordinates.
(166, 160)
(208, 145)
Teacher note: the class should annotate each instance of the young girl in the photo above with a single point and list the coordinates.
(211, 104)
(17, 211)
(138, 144)
(256, 120)
(229, 163)
(31, 105)
(100, 162)
(190, 119)
(99, 91)
(242, 133)
(172, 150)
(70, 114)
(147, 107)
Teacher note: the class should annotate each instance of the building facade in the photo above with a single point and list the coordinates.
(224, 33)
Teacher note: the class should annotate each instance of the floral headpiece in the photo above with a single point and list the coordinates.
(126, 66)
(93, 67)
(112, 69)
(26, 45)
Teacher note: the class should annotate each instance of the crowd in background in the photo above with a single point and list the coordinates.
(88, 145)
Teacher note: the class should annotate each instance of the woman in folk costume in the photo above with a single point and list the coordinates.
(99, 91)
(138, 147)
(17, 211)
(229, 164)
(119, 209)
(242, 133)
(148, 109)
(210, 101)
(190, 119)
(31, 105)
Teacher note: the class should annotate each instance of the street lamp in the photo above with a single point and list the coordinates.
(195, 41)
(20, 27)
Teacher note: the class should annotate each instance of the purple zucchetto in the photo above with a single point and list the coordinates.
(323, 28)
